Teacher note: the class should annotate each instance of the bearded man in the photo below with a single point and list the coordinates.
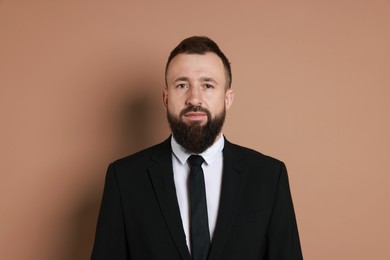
(196, 195)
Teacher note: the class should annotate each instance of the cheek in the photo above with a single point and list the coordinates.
(174, 107)
(218, 105)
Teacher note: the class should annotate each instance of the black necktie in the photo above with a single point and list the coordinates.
(200, 235)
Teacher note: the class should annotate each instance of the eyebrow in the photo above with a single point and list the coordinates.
(181, 79)
(203, 79)
(208, 79)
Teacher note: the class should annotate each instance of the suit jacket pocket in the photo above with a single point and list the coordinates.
(248, 218)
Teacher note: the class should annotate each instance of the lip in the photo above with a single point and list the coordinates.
(196, 116)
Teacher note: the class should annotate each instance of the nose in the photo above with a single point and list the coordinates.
(194, 97)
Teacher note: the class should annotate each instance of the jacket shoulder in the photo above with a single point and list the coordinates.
(252, 158)
(249, 153)
(141, 159)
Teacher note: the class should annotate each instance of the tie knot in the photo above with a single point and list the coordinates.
(195, 160)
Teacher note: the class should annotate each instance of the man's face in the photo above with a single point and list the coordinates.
(196, 95)
(196, 80)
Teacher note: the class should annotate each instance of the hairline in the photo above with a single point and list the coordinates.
(226, 71)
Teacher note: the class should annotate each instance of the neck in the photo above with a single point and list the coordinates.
(218, 137)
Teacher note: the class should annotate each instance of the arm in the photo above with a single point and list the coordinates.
(283, 238)
(110, 239)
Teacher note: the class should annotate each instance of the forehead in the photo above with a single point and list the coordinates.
(196, 65)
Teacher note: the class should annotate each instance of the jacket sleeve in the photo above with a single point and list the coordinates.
(283, 238)
(110, 239)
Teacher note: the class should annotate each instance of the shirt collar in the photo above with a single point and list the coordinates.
(209, 155)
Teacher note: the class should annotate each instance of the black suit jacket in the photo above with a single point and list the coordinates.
(140, 218)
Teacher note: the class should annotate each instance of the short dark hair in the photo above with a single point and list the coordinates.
(200, 45)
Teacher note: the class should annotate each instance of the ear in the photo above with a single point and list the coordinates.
(229, 97)
(165, 97)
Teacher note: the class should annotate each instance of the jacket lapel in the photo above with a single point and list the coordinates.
(161, 174)
(232, 183)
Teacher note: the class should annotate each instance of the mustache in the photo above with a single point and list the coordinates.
(195, 109)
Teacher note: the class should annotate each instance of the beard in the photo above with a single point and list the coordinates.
(194, 137)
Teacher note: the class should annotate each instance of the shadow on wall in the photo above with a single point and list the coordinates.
(142, 121)
(137, 121)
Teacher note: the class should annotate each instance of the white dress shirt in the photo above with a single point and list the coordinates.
(212, 169)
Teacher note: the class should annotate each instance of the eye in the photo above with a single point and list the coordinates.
(182, 86)
(208, 86)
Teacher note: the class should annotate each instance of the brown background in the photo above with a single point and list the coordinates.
(81, 86)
